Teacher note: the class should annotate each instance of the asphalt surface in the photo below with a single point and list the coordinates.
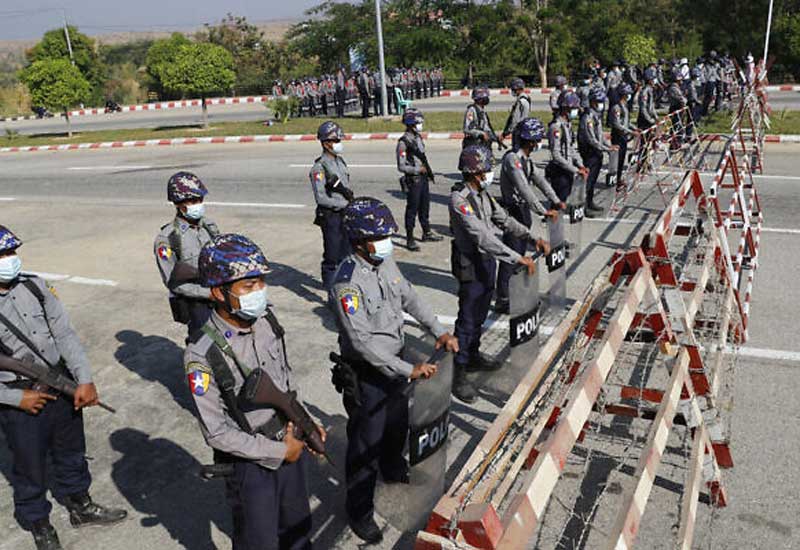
(88, 219)
(248, 112)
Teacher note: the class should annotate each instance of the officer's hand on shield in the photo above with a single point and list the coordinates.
(423, 370)
(34, 401)
(543, 246)
(322, 435)
(528, 262)
(552, 214)
(615, 147)
(448, 342)
(584, 173)
(294, 447)
(423, 170)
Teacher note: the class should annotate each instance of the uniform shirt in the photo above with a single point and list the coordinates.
(562, 153)
(712, 72)
(590, 132)
(554, 95)
(476, 123)
(255, 347)
(690, 91)
(371, 300)
(647, 105)
(613, 79)
(190, 238)
(583, 94)
(519, 111)
(406, 162)
(516, 174)
(479, 222)
(53, 342)
(619, 119)
(676, 97)
(325, 166)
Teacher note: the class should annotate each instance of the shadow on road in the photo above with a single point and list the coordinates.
(156, 359)
(158, 478)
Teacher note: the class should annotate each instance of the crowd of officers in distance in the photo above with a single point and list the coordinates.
(217, 284)
(346, 91)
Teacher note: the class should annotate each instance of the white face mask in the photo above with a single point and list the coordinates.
(418, 127)
(338, 147)
(600, 106)
(10, 266)
(539, 146)
(628, 97)
(383, 249)
(195, 211)
(486, 180)
(252, 305)
(573, 114)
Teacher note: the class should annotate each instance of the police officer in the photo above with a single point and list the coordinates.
(677, 101)
(364, 92)
(592, 144)
(619, 120)
(647, 103)
(177, 248)
(477, 126)
(583, 92)
(267, 488)
(564, 160)
(412, 162)
(372, 295)
(330, 181)
(519, 111)
(516, 175)
(341, 93)
(478, 223)
(561, 84)
(34, 326)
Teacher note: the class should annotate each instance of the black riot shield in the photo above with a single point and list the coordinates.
(611, 173)
(555, 262)
(576, 209)
(429, 427)
(525, 313)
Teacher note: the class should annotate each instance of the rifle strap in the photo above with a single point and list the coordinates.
(225, 382)
(24, 339)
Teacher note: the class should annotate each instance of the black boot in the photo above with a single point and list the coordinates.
(45, 536)
(366, 529)
(411, 243)
(431, 237)
(481, 362)
(501, 306)
(462, 387)
(83, 512)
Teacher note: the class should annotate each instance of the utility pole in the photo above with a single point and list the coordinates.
(66, 33)
(381, 61)
(766, 42)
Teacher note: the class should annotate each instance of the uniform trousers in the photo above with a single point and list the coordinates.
(56, 431)
(335, 244)
(474, 299)
(418, 203)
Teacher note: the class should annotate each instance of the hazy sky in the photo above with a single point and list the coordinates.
(24, 19)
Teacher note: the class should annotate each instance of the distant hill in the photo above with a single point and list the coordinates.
(273, 30)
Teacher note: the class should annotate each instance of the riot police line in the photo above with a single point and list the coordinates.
(236, 363)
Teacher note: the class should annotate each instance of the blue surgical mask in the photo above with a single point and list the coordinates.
(10, 266)
(252, 305)
(195, 211)
(383, 249)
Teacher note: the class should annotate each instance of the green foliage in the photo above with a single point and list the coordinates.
(283, 107)
(639, 49)
(248, 47)
(199, 70)
(53, 45)
(159, 56)
(56, 84)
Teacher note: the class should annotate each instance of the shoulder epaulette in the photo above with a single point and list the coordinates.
(345, 272)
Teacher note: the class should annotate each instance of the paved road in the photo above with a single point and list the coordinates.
(88, 218)
(248, 112)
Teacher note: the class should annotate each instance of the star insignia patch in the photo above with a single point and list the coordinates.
(164, 252)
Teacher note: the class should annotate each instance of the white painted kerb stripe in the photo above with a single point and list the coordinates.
(257, 204)
(7, 199)
(70, 279)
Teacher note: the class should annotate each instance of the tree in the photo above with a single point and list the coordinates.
(56, 84)
(199, 70)
(639, 49)
(160, 56)
(53, 45)
(248, 47)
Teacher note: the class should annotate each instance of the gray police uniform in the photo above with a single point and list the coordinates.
(619, 119)
(268, 496)
(555, 93)
(478, 224)
(178, 245)
(591, 145)
(647, 108)
(371, 301)
(516, 175)
(476, 124)
(336, 246)
(32, 308)
(519, 112)
(564, 160)
(410, 148)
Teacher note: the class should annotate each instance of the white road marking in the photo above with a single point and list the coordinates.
(7, 199)
(257, 204)
(73, 279)
(105, 168)
(765, 353)
(349, 165)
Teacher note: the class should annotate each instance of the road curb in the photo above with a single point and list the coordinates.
(281, 138)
